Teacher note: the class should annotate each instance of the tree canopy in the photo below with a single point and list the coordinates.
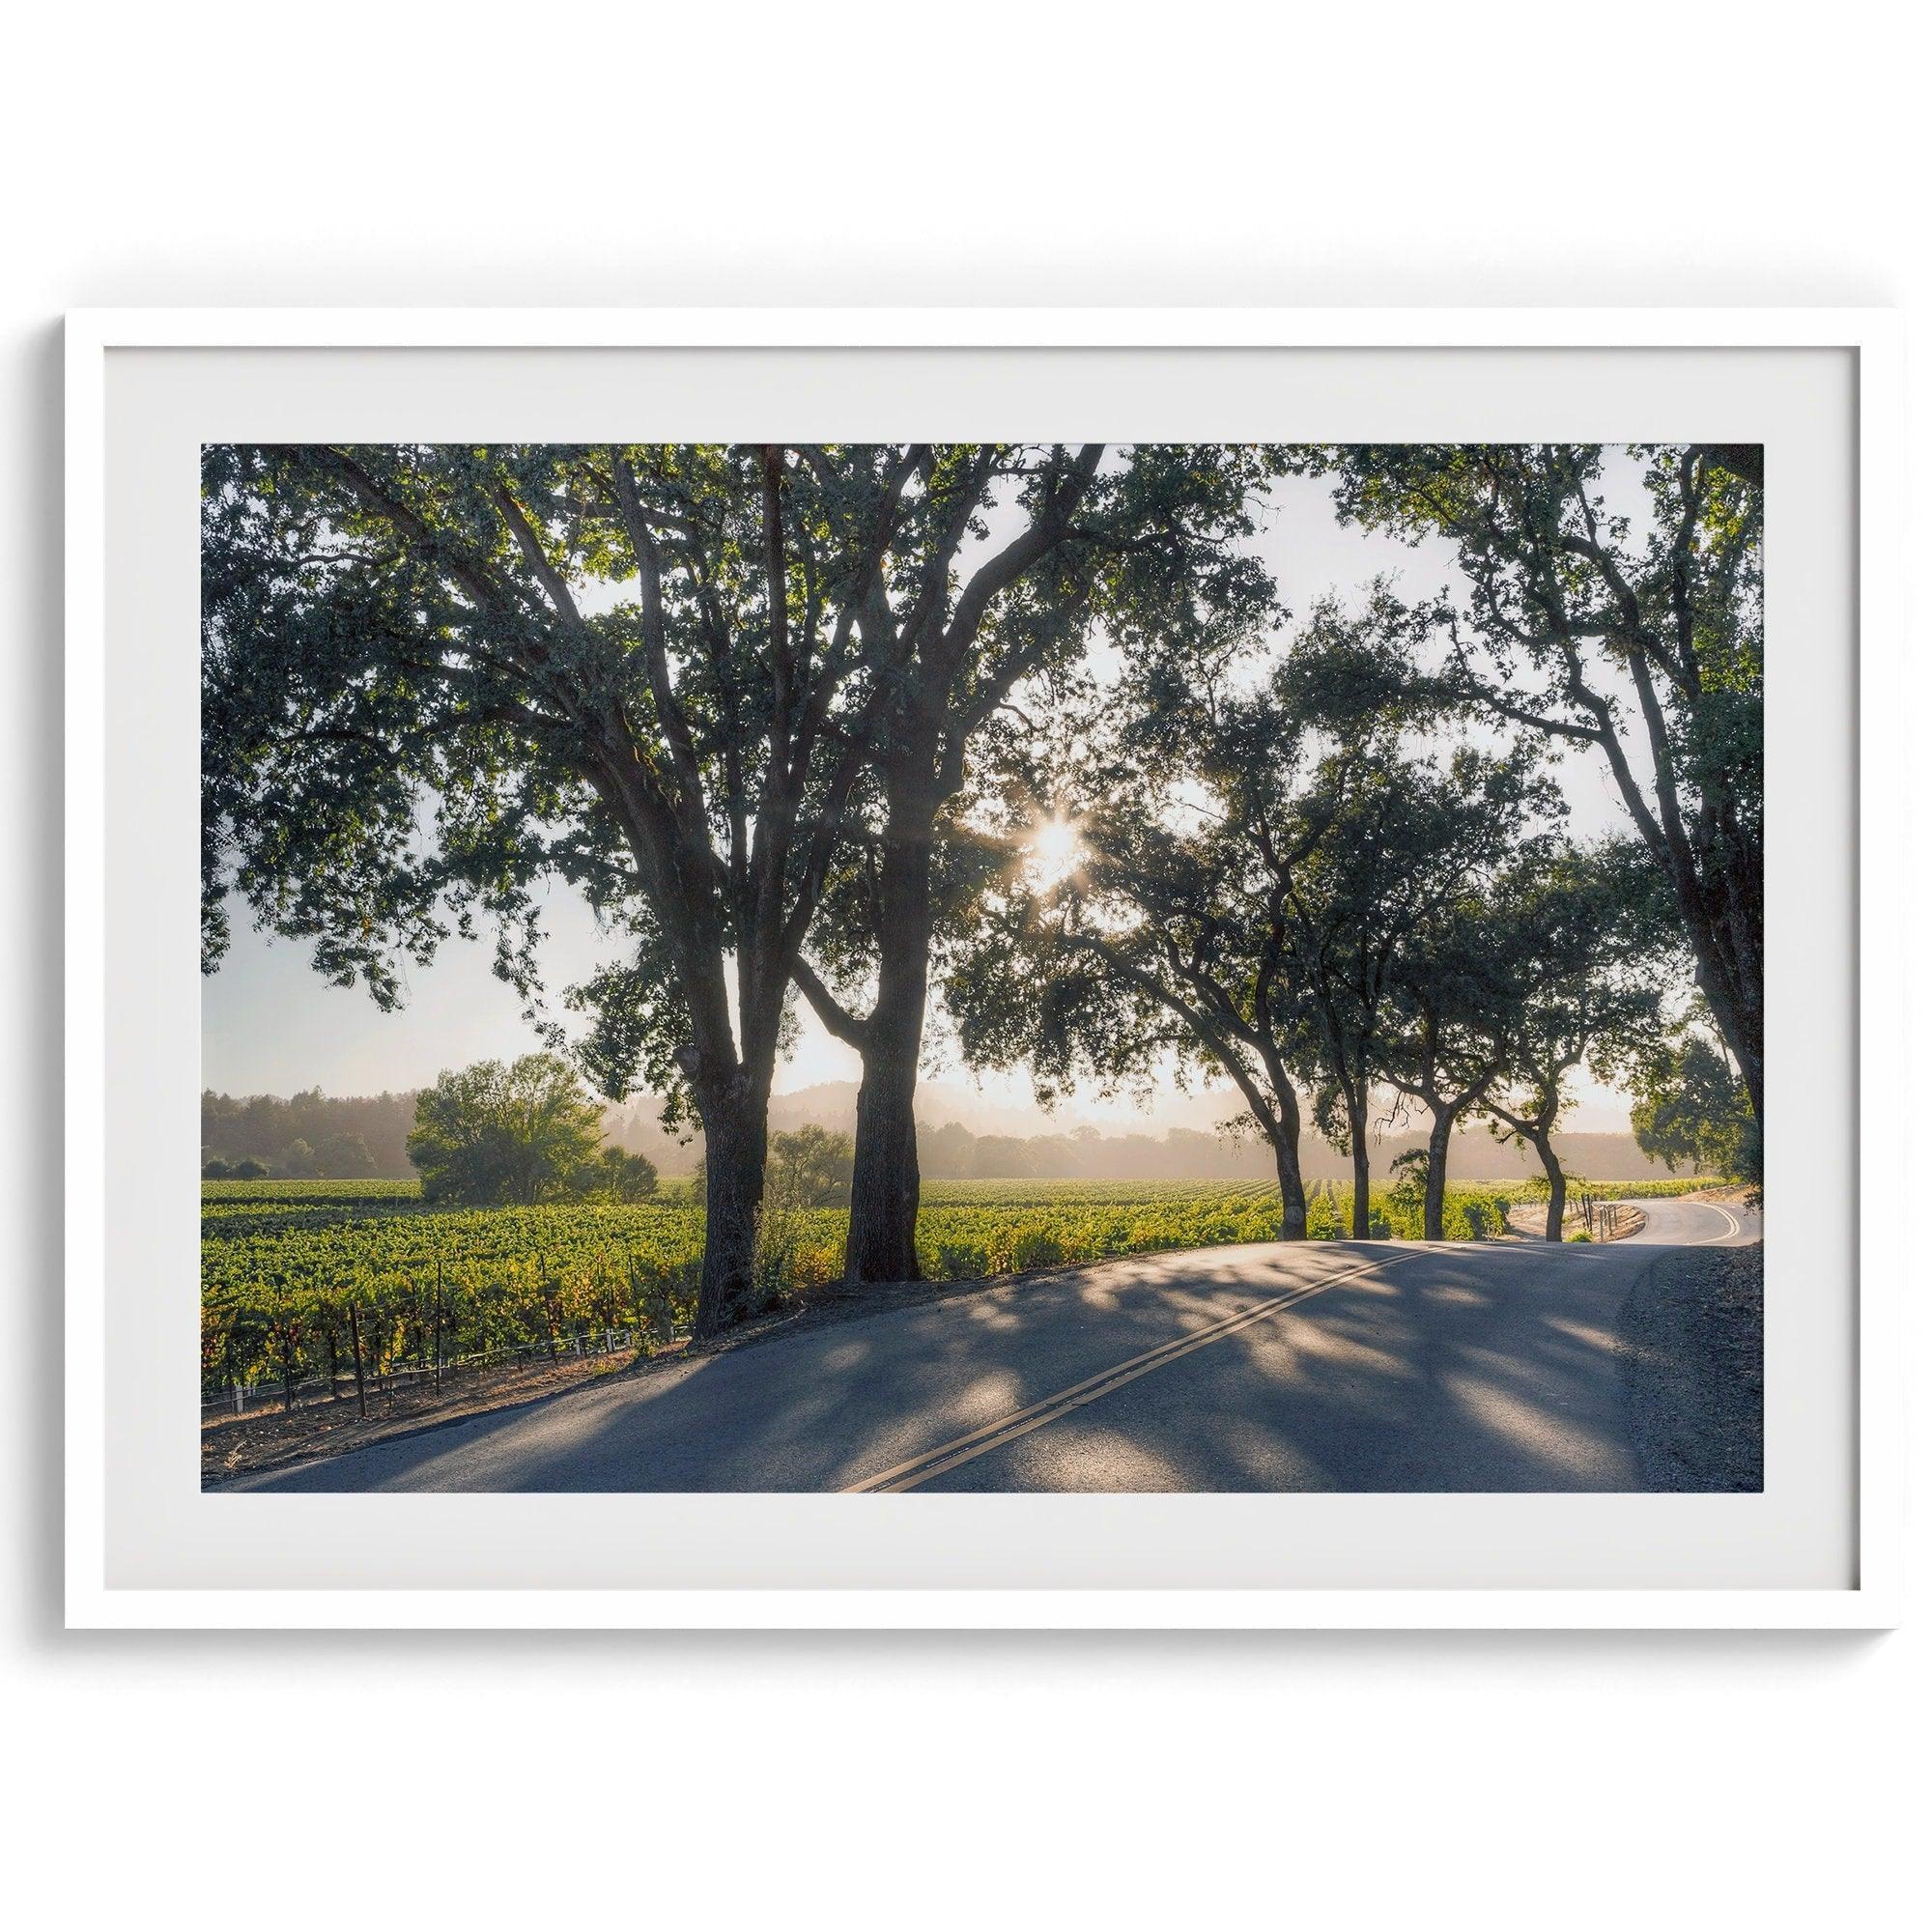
(435, 677)
(1690, 1110)
(1635, 632)
(810, 1168)
(1264, 865)
(524, 1133)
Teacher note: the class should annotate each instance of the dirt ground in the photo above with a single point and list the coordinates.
(232, 1446)
(1527, 1219)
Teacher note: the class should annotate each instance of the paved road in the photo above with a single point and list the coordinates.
(1350, 1366)
(1700, 1224)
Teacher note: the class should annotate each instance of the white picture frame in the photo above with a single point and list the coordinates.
(1872, 1599)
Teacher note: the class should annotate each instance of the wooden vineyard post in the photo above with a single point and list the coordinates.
(355, 1349)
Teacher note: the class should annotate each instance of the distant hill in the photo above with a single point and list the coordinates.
(962, 1135)
(951, 1153)
(1018, 1143)
(835, 1104)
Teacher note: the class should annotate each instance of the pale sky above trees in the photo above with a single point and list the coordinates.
(271, 1025)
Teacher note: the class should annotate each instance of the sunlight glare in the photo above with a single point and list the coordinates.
(1056, 850)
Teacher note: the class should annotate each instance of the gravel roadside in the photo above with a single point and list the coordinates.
(1692, 1332)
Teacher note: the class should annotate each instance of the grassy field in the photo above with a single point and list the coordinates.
(299, 1276)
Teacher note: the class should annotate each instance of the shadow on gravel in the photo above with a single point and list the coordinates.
(1693, 1336)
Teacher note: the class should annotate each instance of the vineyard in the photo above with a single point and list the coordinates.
(326, 1280)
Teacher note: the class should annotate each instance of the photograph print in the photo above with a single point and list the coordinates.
(1002, 967)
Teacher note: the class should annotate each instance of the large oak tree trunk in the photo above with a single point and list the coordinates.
(1553, 1168)
(1747, 1042)
(734, 1183)
(1739, 1011)
(884, 1164)
(1747, 930)
(1294, 1195)
(1437, 1181)
(1727, 949)
(1358, 1158)
(880, 1245)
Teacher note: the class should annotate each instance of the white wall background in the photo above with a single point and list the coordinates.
(832, 153)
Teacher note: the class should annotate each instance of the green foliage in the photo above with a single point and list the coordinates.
(259, 1190)
(1412, 1174)
(496, 1133)
(1274, 928)
(345, 1157)
(1691, 1109)
(1639, 1190)
(662, 1297)
(811, 1168)
(437, 679)
(283, 1263)
(796, 1252)
(617, 1175)
(1638, 636)
(1578, 943)
(353, 1136)
(424, 1275)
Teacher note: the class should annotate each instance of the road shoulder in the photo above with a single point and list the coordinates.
(1692, 1337)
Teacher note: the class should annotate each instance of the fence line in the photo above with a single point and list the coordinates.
(252, 1398)
(1606, 1220)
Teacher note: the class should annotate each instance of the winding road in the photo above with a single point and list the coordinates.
(1698, 1224)
(1339, 1365)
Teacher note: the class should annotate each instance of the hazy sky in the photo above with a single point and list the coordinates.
(270, 1026)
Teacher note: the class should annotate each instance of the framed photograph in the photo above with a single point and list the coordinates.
(983, 968)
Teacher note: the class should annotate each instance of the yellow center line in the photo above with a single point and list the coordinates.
(1018, 1422)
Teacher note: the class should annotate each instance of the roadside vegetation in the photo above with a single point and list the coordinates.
(337, 1289)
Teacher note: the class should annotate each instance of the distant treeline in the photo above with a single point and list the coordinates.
(953, 1152)
(313, 1133)
(330, 1138)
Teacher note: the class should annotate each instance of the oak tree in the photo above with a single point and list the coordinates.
(1138, 543)
(489, 1133)
(435, 677)
(1579, 951)
(1633, 630)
